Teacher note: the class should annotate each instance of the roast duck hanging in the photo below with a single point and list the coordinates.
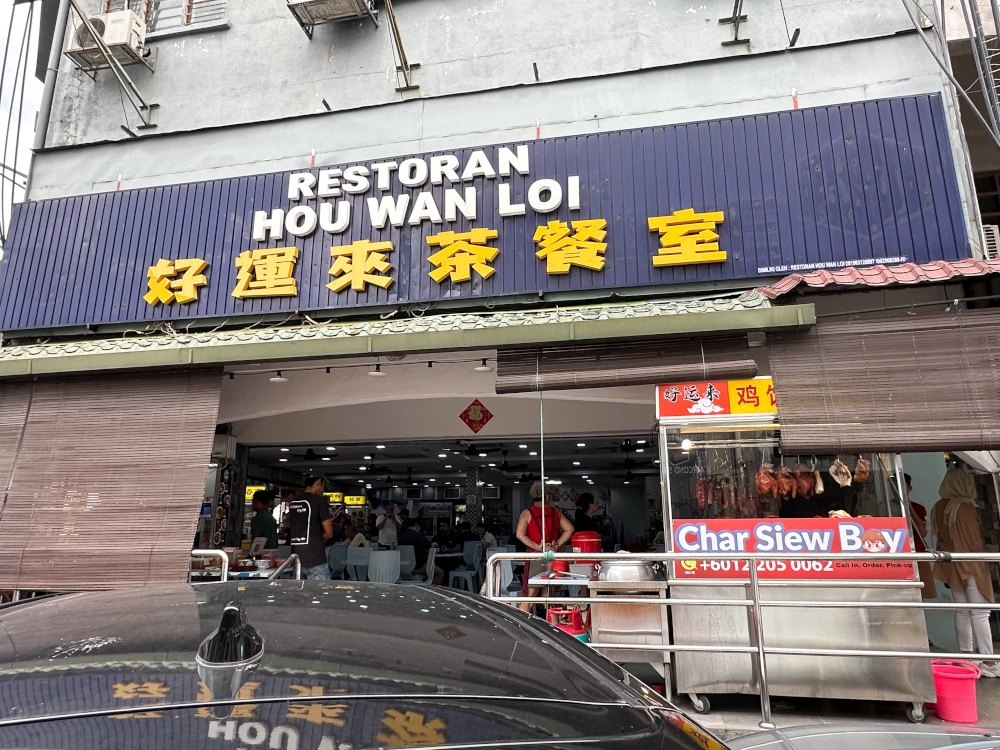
(767, 482)
(805, 481)
(862, 470)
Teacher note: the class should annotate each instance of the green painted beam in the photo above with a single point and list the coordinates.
(196, 354)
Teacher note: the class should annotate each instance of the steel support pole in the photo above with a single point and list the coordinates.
(758, 632)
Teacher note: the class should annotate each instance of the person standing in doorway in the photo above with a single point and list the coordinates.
(541, 521)
(586, 509)
(388, 527)
(310, 525)
(263, 524)
(955, 518)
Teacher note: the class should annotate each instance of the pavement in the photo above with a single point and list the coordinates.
(736, 715)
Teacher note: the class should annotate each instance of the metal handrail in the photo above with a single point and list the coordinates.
(759, 651)
(215, 553)
(284, 566)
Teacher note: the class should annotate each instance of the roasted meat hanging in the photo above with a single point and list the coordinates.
(787, 486)
(840, 473)
(766, 482)
(819, 482)
(702, 490)
(863, 470)
(805, 481)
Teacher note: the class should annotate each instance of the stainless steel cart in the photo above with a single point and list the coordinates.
(617, 622)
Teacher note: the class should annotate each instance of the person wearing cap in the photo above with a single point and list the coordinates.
(310, 525)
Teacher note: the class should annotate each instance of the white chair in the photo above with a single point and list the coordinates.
(468, 574)
(509, 585)
(336, 555)
(429, 577)
(407, 561)
(357, 557)
(383, 566)
(489, 552)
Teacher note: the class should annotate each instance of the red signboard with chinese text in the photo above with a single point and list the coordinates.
(716, 398)
(787, 538)
(476, 416)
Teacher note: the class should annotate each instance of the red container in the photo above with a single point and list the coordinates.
(586, 541)
(955, 685)
(560, 616)
(559, 566)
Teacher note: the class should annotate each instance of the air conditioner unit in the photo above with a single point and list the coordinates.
(311, 12)
(991, 238)
(123, 32)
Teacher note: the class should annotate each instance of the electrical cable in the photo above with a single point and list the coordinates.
(22, 66)
(3, 69)
(20, 103)
(7, 124)
(945, 69)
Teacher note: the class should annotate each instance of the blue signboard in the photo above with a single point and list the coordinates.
(723, 200)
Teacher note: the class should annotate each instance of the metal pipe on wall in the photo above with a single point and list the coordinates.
(48, 93)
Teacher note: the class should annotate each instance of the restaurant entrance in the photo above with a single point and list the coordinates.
(431, 435)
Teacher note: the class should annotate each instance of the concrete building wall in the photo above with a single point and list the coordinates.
(263, 67)
(899, 66)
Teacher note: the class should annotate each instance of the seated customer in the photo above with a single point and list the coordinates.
(412, 536)
(354, 537)
(445, 540)
(466, 534)
(447, 543)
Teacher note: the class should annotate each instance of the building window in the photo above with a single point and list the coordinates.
(169, 15)
(988, 195)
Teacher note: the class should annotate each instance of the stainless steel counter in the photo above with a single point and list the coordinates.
(860, 678)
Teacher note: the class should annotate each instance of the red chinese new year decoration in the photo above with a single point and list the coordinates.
(476, 416)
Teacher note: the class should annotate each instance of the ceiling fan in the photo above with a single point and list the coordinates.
(309, 455)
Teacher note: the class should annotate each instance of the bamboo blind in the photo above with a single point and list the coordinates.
(920, 383)
(108, 479)
(641, 363)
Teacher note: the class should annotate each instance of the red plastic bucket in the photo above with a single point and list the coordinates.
(955, 684)
(586, 541)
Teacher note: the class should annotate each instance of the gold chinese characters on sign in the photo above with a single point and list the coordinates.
(175, 281)
(359, 264)
(266, 272)
(461, 252)
(686, 237)
(561, 248)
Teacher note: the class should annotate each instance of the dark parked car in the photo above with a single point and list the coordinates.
(871, 736)
(311, 665)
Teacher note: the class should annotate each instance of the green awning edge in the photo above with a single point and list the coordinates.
(199, 354)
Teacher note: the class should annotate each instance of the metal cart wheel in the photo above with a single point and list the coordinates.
(700, 703)
(915, 713)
